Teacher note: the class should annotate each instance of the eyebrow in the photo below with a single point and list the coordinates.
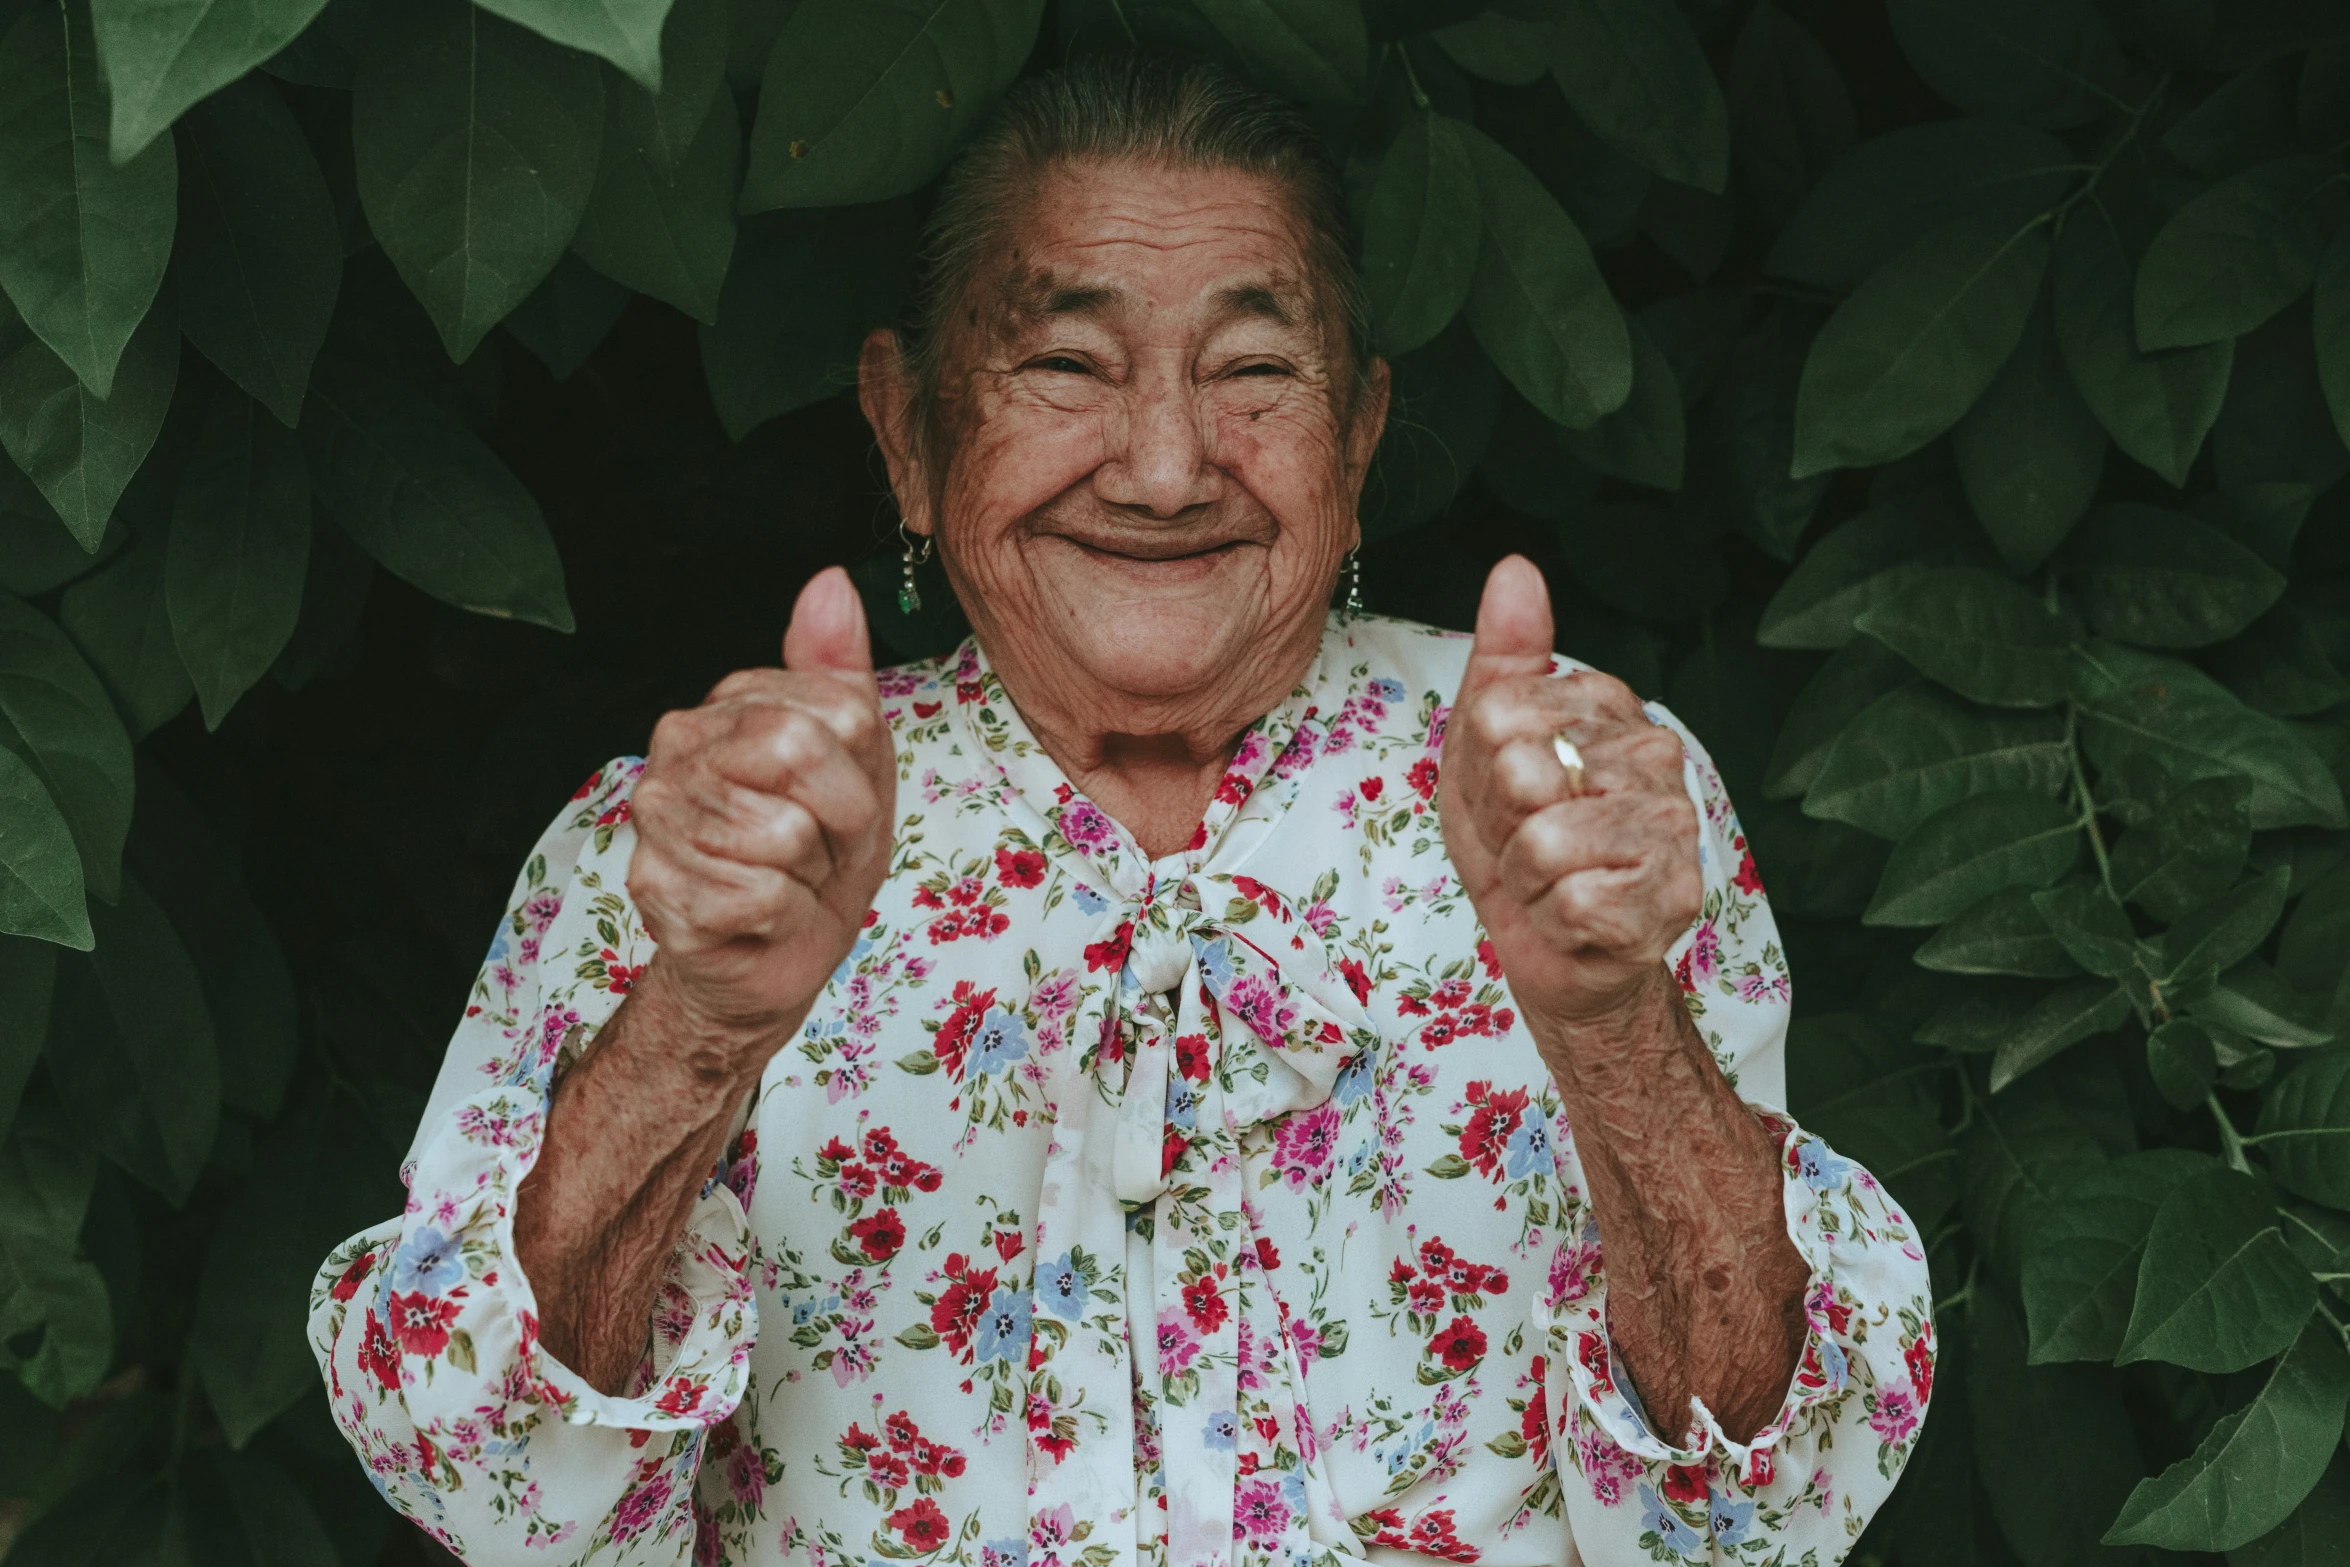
(1040, 296)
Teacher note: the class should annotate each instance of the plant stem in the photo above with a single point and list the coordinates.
(2081, 798)
(1410, 76)
(2230, 1142)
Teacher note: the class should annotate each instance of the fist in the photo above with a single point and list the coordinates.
(763, 824)
(1582, 891)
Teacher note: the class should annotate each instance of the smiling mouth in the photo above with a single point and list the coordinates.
(1150, 553)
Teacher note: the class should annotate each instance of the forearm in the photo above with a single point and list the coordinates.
(632, 1133)
(1705, 1290)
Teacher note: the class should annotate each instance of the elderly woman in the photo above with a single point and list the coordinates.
(1095, 1099)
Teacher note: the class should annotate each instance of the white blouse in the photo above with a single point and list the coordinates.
(1110, 1212)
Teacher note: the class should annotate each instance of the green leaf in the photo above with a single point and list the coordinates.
(1864, 562)
(1907, 355)
(83, 240)
(2218, 1289)
(1893, 190)
(56, 1324)
(80, 449)
(2251, 999)
(239, 1508)
(2158, 577)
(2081, 1273)
(2191, 850)
(109, 1520)
(1538, 304)
(2256, 1464)
(1497, 47)
(2313, 1536)
(2283, 665)
(2054, 1444)
(1853, 677)
(2304, 1130)
(2330, 310)
(625, 32)
(37, 553)
(2238, 253)
(1443, 401)
(2030, 452)
(693, 70)
(670, 238)
(120, 618)
(1978, 633)
(475, 143)
(312, 1186)
(867, 98)
(1755, 407)
(1916, 752)
(2227, 929)
(2003, 934)
(2183, 1062)
(2137, 705)
(2313, 955)
(162, 57)
(428, 500)
(2044, 62)
(1790, 115)
(2091, 927)
(56, 716)
(2079, 1011)
(260, 255)
(40, 872)
(28, 975)
(1636, 74)
(1420, 234)
(568, 316)
(240, 540)
(1643, 442)
(1305, 49)
(1981, 845)
(2158, 406)
(2024, 1146)
(134, 1054)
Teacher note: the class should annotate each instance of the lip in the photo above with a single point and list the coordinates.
(1129, 557)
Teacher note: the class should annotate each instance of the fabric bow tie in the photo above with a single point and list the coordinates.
(1225, 1014)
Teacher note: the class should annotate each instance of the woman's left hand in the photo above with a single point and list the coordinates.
(1581, 892)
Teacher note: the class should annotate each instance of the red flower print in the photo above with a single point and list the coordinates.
(1489, 958)
(880, 1142)
(922, 1525)
(1425, 1297)
(953, 1041)
(1268, 1255)
(1410, 1006)
(421, 1323)
(1111, 954)
(1432, 1534)
(1487, 1136)
(619, 977)
(1747, 879)
(1918, 1354)
(835, 1151)
(588, 788)
(1435, 1256)
(1460, 1345)
(679, 1396)
(1761, 1466)
(1685, 1483)
(379, 1357)
(1205, 1304)
(968, 692)
(901, 1430)
(615, 815)
(1019, 867)
(888, 1470)
(881, 1233)
(936, 1458)
(1009, 1244)
(1171, 1149)
(1591, 1350)
(1422, 778)
(1356, 979)
(927, 709)
(859, 1440)
(958, 1308)
(1191, 1057)
(1372, 788)
(348, 1285)
(1439, 1030)
(1450, 994)
(858, 1182)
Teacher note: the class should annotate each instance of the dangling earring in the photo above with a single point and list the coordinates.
(1354, 587)
(910, 596)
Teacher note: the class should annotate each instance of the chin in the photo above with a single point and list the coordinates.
(1158, 650)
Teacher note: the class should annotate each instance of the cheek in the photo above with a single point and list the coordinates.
(1292, 465)
(1013, 462)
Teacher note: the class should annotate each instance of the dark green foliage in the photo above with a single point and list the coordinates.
(1941, 403)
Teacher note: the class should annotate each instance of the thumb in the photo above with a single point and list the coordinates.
(827, 628)
(1513, 626)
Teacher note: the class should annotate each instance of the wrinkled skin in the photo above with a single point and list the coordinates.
(1142, 474)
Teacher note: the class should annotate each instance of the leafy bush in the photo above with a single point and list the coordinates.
(1941, 405)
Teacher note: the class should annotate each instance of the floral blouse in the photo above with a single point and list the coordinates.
(1111, 1212)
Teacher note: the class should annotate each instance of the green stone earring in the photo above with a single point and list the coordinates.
(910, 596)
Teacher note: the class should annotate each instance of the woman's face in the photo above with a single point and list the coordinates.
(1150, 459)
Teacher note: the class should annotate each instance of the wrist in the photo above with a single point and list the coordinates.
(714, 1045)
(1610, 1024)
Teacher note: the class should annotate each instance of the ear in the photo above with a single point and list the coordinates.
(885, 391)
(1369, 421)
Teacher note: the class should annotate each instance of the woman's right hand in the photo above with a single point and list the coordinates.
(763, 823)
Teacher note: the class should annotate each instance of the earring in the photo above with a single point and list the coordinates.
(1354, 587)
(910, 596)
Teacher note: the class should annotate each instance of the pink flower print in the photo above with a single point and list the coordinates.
(640, 1506)
(1086, 828)
(1052, 1527)
(1573, 1268)
(1896, 1414)
(1178, 1345)
(746, 1477)
(1705, 954)
(1259, 1515)
(1305, 1143)
(1056, 995)
(1259, 1003)
(1609, 1469)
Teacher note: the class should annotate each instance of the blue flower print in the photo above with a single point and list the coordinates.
(1293, 1492)
(1386, 690)
(848, 965)
(1731, 1519)
(1820, 1169)
(1060, 1288)
(426, 1261)
(1003, 1326)
(1002, 1039)
(1529, 1149)
(1215, 965)
(1223, 1430)
(1089, 900)
(498, 946)
(1009, 1552)
(1354, 1079)
(1678, 1537)
(1182, 1104)
(1361, 1157)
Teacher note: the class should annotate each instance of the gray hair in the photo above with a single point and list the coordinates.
(1128, 107)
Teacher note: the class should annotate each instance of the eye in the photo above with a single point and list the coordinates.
(1061, 364)
(1259, 367)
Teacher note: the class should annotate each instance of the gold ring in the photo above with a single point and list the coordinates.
(1570, 759)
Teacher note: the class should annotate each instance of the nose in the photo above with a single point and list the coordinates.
(1165, 463)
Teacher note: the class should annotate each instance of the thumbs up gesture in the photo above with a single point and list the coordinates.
(1582, 883)
(763, 824)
